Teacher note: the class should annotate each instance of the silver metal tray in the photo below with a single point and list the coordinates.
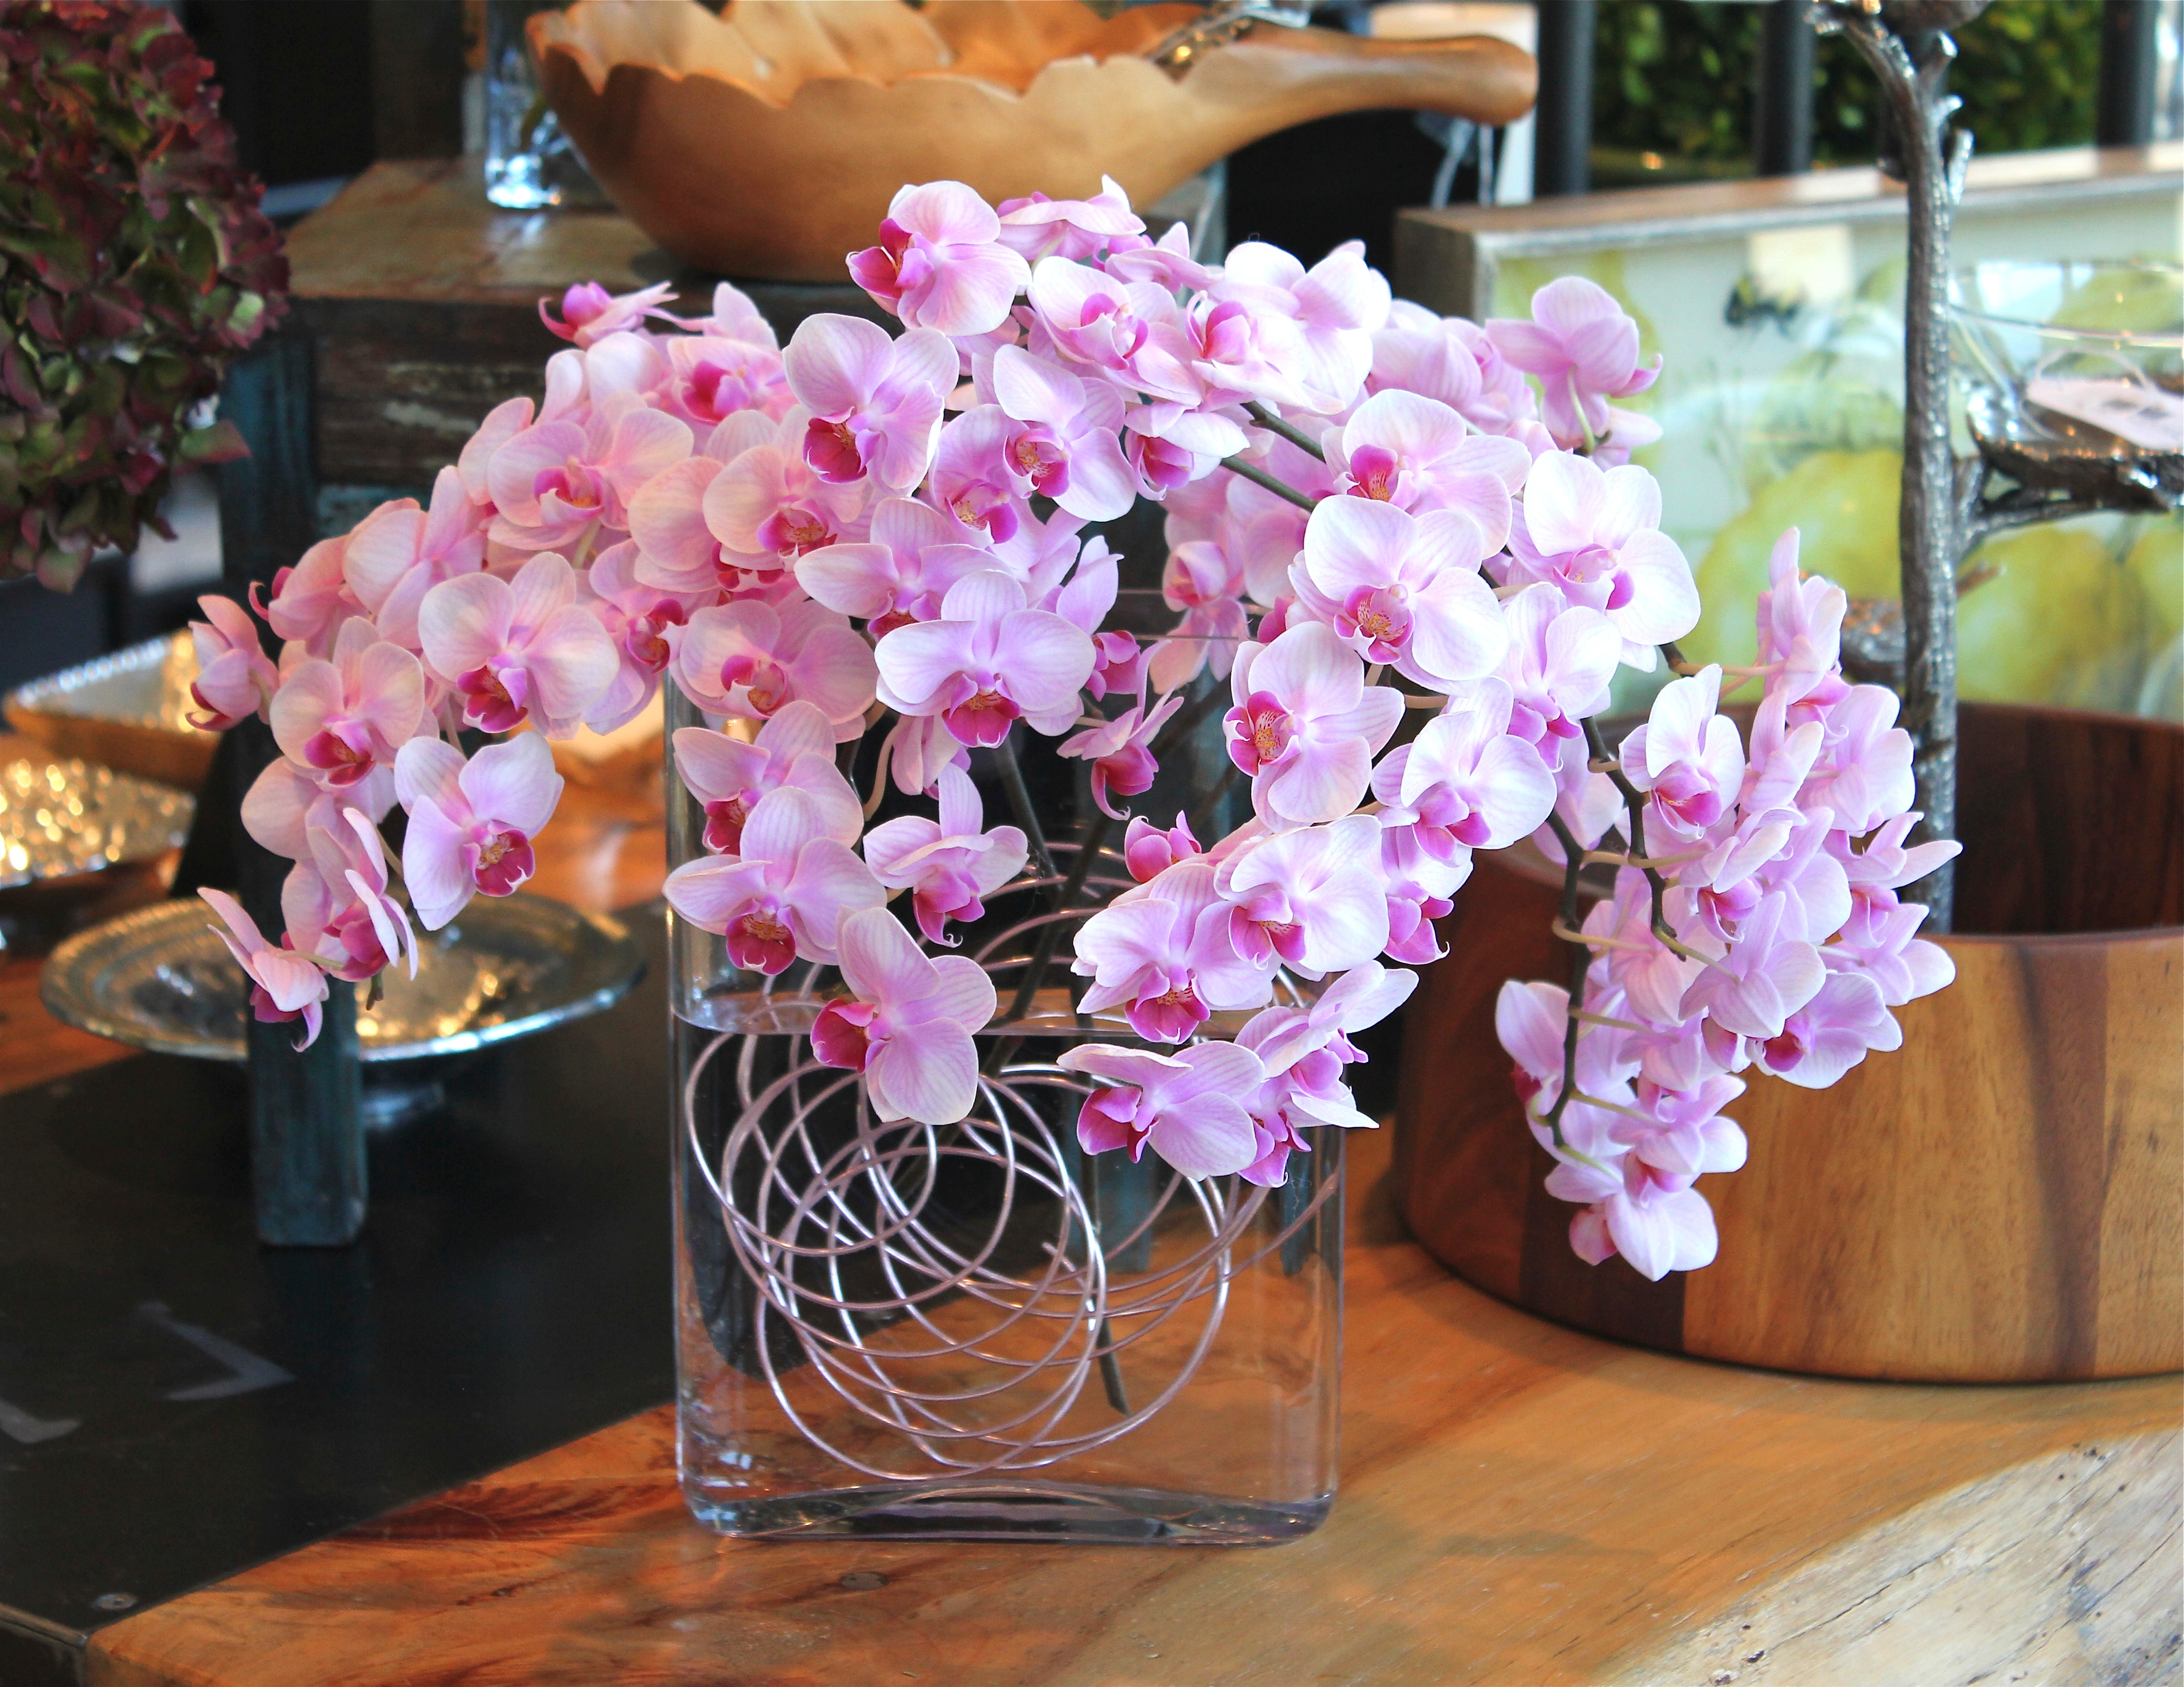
(507, 967)
(61, 820)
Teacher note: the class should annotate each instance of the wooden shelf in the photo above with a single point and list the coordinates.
(1520, 1504)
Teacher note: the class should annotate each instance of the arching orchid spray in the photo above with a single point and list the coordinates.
(1374, 515)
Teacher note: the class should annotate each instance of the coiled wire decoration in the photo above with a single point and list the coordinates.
(962, 1342)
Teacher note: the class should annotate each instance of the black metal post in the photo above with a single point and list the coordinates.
(1561, 145)
(2122, 114)
(307, 1169)
(1782, 93)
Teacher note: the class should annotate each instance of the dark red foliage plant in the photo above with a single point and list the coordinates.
(135, 264)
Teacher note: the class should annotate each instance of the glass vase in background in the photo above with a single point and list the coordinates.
(976, 1330)
(529, 162)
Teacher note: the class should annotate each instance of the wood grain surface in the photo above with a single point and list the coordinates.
(1520, 1504)
(2002, 1199)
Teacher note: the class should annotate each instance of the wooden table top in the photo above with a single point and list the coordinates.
(1520, 1503)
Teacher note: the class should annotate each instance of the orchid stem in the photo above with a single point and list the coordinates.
(1580, 963)
(1236, 465)
(1273, 424)
(1634, 807)
(1012, 781)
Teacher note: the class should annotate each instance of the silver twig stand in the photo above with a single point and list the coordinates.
(1906, 44)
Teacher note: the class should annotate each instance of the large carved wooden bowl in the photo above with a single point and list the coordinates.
(767, 141)
(2002, 1200)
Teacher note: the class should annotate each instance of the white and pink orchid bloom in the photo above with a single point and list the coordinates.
(940, 263)
(590, 312)
(1465, 783)
(916, 749)
(341, 719)
(1864, 772)
(1188, 1106)
(1686, 758)
(1062, 445)
(1880, 941)
(950, 865)
(1654, 1219)
(1086, 599)
(751, 659)
(1148, 851)
(1130, 331)
(1420, 887)
(710, 380)
(1800, 624)
(1306, 726)
(1312, 899)
(910, 1027)
(1203, 583)
(1420, 455)
(1402, 590)
(784, 894)
(1595, 535)
(1121, 750)
(310, 602)
(729, 775)
(335, 902)
(1530, 1021)
(772, 504)
(1584, 348)
(635, 618)
(235, 678)
(1163, 955)
(1304, 1052)
(1885, 863)
(1329, 312)
(987, 661)
(519, 649)
(284, 985)
(1846, 1019)
(875, 400)
(1765, 977)
(971, 480)
(558, 486)
(1039, 227)
(399, 552)
(1263, 532)
(502, 423)
(1561, 662)
(902, 572)
(471, 823)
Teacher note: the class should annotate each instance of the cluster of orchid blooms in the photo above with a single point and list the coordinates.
(1370, 511)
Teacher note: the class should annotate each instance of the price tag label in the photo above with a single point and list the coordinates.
(2146, 416)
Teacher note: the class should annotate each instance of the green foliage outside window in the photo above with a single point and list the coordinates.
(1673, 79)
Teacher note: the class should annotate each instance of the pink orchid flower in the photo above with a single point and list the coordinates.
(752, 660)
(1312, 900)
(1076, 229)
(1880, 941)
(1766, 977)
(874, 400)
(519, 649)
(1304, 1051)
(901, 573)
(1420, 455)
(1465, 783)
(910, 1029)
(1584, 348)
(284, 985)
(502, 423)
(278, 805)
(940, 263)
(311, 600)
(1595, 535)
(1132, 332)
(558, 485)
(1561, 662)
(729, 775)
(709, 379)
(950, 865)
(1200, 581)
(1587, 802)
(1164, 953)
(1419, 889)
(1653, 978)
(1062, 445)
(1800, 624)
(1402, 590)
(677, 549)
(1121, 750)
(1263, 533)
(785, 894)
(635, 618)
(590, 312)
(1187, 1106)
(341, 719)
(771, 503)
(1864, 772)
(399, 552)
(1530, 1021)
(988, 660)
(1332, 310)
(1148, 852)
(1884, 863)
(971, 480)
(1683, 1134)
(1086, 599)
(1686, 758)
(471, 823)
(337, 899)
(1831, 1034)
(235, 678)
(1306, 726)
(915, 750)
(1654, 1219)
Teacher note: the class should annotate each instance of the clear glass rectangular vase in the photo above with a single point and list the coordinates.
(977, 1330)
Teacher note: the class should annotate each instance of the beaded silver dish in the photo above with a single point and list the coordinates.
(506, 968)
(60, 820)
